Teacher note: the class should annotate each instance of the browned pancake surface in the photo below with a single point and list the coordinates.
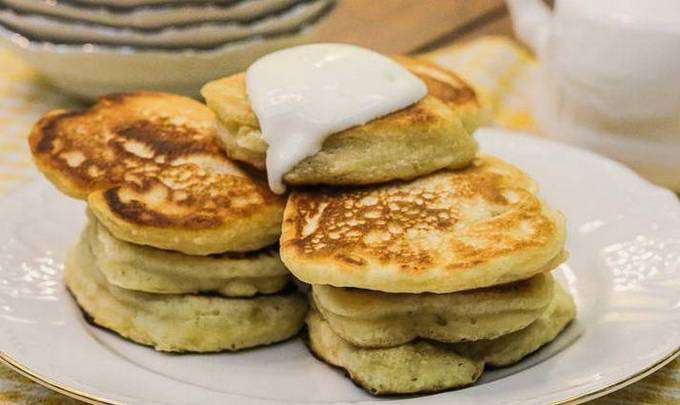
(449, 231)
(149, 165)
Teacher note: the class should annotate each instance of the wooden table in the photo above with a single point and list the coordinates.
(409, 26)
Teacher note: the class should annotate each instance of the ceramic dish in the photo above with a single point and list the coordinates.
(623, 270)
(154, 17)
(41, 28)
(89, 70)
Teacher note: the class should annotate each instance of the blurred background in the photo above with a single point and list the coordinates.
(422, 25)
(91, 47)
(584, 88)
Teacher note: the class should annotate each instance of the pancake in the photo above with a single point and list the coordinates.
(431, 134)
(451, 89)
(446, 232)
(148, 269)
(416, 367)
(181, 323)
(429, 366)
(367, 318)
(511, 348)
(152, 172)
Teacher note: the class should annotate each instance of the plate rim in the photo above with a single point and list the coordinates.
(71, 392)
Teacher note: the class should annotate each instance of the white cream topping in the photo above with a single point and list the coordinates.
(303, 94)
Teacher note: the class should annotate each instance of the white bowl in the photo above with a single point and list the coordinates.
(44, 28)
(89, 70)
(150, 17)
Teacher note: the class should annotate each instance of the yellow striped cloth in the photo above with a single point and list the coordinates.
(496, 66)
(24, 97)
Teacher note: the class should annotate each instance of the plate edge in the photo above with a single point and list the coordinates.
(93, 399)
(631, 379)
(46, 382)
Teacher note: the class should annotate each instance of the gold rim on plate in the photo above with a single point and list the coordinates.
(54, 386)
(93, 399)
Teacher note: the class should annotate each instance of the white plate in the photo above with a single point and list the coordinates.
(624, 271)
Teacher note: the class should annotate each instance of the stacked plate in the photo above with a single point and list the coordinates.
(92, 47)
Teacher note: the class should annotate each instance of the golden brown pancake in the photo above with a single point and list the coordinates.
(449, 88)
(152, 270)
(429, 366)
(152, 172)
(416, 367)
(181, 322)
(375, 319)
(511, 348)
(429, 135)
(446, 232)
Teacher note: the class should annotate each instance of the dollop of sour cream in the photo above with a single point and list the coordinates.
(301, 95)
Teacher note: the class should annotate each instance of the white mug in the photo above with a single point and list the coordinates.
(616, 61)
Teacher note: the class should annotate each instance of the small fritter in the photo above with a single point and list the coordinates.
(375, 319)
(181, 323)
(417, 367)
(148, 269)
(431, 134)
(511, 348)
(153, 174)
(446, 232)
(429, 366)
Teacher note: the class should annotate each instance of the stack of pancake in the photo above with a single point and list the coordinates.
(416, 286)
(426, 262)
(180, 250)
